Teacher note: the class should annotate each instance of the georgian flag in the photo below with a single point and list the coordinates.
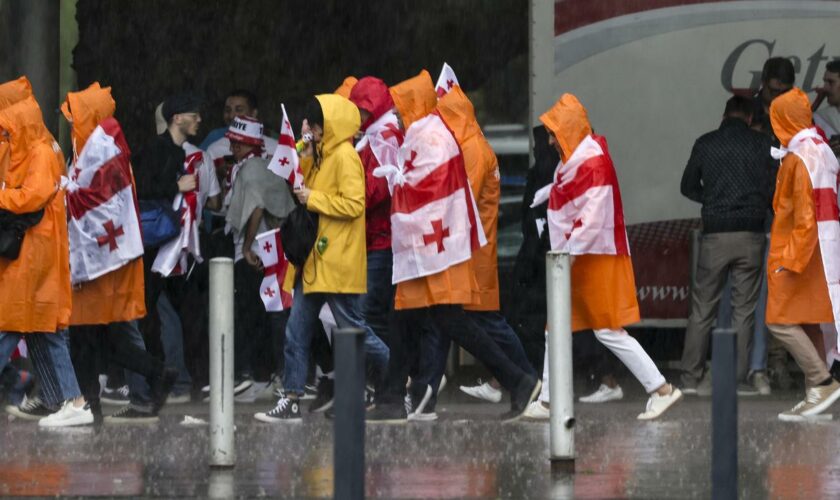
(384, 137)
(823, 170)
(285, 161)
(446, 80)
(585, 215)
(104, 226)
(268, 247)
(172, 258)
(434, 219)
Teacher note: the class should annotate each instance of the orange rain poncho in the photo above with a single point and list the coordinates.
(799, 294)
(483, 171)
(414, 99)
(603, 286)
(34, 288)
(119, 295)
(346, 87)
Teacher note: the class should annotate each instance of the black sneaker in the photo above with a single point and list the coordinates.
(116, 397)
(324, 399)
(161, 387)
(131, 415)
(370, 398)
(387, 414)
(29, 409)
(240, 386)
(310, 391)
(287, 410)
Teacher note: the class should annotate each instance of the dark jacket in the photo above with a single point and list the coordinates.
(731, 173)
(157, 168)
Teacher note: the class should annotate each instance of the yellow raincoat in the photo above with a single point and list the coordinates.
(603, 286)
(34, 288)
(799, 294)
(414, 99)
(119, 295)
(338, 196)
(483, 171)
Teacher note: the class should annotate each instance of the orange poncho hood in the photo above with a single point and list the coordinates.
(85, 109)
(14, 91)
(458, 113)
(346, 87)
(569, 123)
(26, 129)
(789, 114)
(414, 98)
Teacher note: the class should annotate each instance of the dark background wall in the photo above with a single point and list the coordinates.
(286, 51)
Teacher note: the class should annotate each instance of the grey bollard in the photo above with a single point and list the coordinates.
(222, 445)
(349, 444)
(724, 415)
(561, 392)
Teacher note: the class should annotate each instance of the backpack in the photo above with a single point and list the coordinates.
(298, 233)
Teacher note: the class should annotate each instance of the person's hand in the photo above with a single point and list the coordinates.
(302, 194)
(252, 258)
(186, 183)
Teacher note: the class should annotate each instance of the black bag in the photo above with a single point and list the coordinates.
(158, 222)
(298, 233)
(12, 229)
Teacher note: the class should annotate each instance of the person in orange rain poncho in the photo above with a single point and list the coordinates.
(803, 261)
(586, 220)
(35, 297)
(346, 87)
(436, 302)
(106, 309)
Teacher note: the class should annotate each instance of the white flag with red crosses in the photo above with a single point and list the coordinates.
(268, 247)
(285, 161)
(446, 80)
(434, 218)
(823, 170)
(103, 223)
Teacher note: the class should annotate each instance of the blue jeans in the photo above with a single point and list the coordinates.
(50, 354)
(172, 338)
(138, 388)
(378, 302)
(303, 322)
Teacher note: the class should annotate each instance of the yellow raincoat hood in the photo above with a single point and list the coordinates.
(569, 123)
(414, 98)
(85, 110)
(341, 121)
(789, 114)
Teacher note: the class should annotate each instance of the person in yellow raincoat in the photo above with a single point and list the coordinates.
(797, 290)
(106, 309)
(335, 272)
(35, 297)
(603, 285)
(483, 172)
(430, 309)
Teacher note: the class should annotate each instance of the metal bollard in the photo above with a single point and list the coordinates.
(559, 300)
(724, 415)
(222, 446)
(349, 444)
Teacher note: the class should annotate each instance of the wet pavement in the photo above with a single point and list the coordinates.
(466, 454)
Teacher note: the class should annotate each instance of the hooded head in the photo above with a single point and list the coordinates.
(14, 91)
(346, 87)
(85, 109)
(458, 113)
(414, 98)
(568, 122)
(789, 114)
(371, 94)
(24, 124)
(341, 121)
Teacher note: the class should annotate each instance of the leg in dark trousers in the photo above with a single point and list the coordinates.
(402, 328)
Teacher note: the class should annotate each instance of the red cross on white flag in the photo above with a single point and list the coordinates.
(285, 161)
(103, 223)
(434, 219)
(269, 248)
(446, 80)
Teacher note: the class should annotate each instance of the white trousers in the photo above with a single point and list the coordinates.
(626, 349)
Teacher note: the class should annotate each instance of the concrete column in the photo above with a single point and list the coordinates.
(540, 60)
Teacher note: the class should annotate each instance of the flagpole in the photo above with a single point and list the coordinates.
(222, 445)
(562, 419)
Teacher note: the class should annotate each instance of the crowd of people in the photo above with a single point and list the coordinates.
(382, 216)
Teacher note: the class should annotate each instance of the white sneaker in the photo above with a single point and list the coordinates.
(67, 416)
(657, 405)
(483, 391)
(442, 384)
(604, 394)
(255, 391)
(536, 411)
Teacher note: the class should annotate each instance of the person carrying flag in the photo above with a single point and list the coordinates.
(586, 220)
